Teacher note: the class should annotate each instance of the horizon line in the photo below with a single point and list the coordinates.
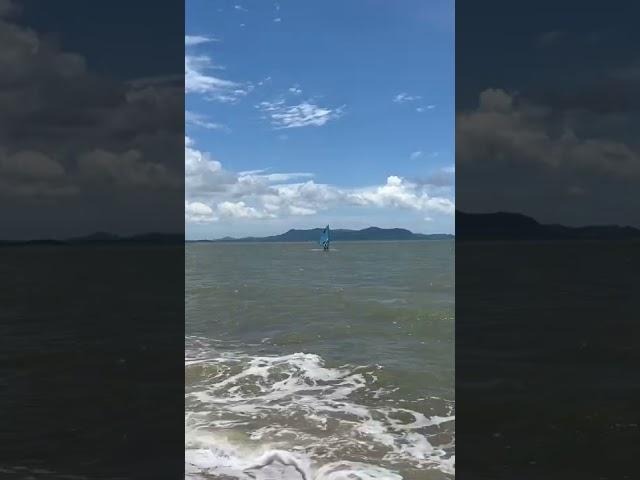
(262, 236)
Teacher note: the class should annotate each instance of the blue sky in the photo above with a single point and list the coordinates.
(301, 114)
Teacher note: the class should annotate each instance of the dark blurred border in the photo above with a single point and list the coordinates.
(547, 240)
(91, 239)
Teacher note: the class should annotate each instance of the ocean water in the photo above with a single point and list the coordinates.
(303, 364)
(547, 359)
(91, 357)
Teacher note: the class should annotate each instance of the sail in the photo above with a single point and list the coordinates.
(324, 238)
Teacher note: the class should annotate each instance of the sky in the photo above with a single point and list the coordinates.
(91, 123)
(302, 114)
(547, 98)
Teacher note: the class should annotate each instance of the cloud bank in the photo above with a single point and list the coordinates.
(214, 193)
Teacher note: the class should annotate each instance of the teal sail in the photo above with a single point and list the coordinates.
(324, 238)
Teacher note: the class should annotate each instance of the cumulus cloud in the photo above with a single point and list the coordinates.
(507, 129)
(198, 212)
(304, 114)
(398, 192)
(300, 211)
(259, 194)
(126, 170)
(535, 155)
(240, 210)
(68, 136)
(55, 115)
(202, 174)
(33, 174)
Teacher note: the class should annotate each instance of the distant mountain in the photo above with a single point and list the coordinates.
(340, 235)
(515, 226)
(102, 238)
(97, 237)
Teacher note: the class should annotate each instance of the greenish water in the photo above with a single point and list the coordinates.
(320, 365)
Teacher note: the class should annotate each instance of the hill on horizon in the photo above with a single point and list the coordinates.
(103, 238)
(339, 235)
(516, 226)
(469, 226)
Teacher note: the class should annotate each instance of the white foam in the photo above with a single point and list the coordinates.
(354, 471)
(289, 417)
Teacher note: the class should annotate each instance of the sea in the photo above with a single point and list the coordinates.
(304, 364)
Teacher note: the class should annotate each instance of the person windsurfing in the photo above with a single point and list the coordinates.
(324, 239)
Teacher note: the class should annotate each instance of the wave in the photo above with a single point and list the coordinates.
(290, 417)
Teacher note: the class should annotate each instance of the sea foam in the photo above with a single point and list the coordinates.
(291, 417)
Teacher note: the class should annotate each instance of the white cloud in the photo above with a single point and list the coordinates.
(196, 160)
(424, 109)
(258, 194)
(198, 212)
(280, 177)
(277, 20)
(404, 97)
(202, 173)
(198, 80)
(240, 8)
(192, 40)
(240, 210)
(196, 119)
(398, 192)
(303, 114)
(301, 210)
(296, 90)
(416, 155)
